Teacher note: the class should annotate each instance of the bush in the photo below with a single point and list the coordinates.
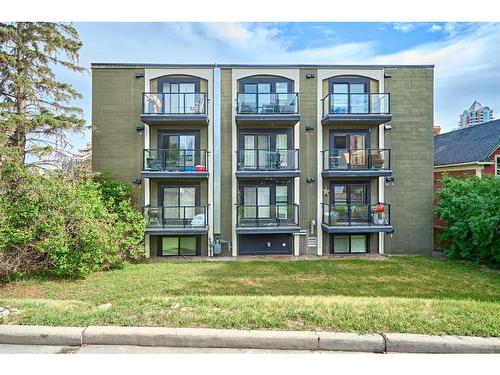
(65, 227)
(471, 208)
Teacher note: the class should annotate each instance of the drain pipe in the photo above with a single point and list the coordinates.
(216, 153)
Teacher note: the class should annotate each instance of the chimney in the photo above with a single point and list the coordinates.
(437, 129)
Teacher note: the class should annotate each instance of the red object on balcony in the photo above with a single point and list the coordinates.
(200, 168)
(379, 208)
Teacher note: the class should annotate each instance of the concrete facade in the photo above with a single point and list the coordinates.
(407, 131)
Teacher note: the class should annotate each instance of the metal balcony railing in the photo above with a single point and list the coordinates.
(356, 214)
(277, 215)
(357, 104)
(154, 103)
(176, 216)
(267, 160)
(265, 103)
(175, 160)
(356, 159)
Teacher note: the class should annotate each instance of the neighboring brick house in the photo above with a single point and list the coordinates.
(272, 159)
(469, 152)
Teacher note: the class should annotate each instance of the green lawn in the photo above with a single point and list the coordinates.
(418, 295)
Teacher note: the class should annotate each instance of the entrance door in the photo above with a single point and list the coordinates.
(349, 98)
(180, 97)
(179, 204)
(350, 202)
(179, 150)
(349, 150)
(265, 151)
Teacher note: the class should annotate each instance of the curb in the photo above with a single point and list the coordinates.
(41, 335)
(255, 339)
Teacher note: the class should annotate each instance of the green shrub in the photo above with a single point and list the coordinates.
(65, 227)
(471, 208)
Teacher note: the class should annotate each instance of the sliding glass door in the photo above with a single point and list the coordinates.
(264, 151)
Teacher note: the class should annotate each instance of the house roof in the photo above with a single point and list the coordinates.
(467, 145)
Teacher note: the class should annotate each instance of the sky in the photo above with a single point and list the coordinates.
(465, 55)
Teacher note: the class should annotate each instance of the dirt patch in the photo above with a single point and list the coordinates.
(21, 290)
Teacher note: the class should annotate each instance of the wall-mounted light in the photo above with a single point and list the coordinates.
(387, 75)
(139, 128)
(310, 180)
(309, 127)
(137, 181)
(310, 75)
(389, 179)
(387, 126)
(139, 75)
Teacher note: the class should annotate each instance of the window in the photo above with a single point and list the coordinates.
(265, 151)
(171, 246)
(179, 150)
(497, 165)
(349, 243)
(179, 204)
(349, 95)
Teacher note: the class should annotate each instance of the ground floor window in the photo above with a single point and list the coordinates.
(349, 243)
(173, 245)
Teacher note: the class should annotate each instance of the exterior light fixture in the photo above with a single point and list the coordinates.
(387, 126)
(310, 180)
(137, 181)
(309, 127)
(387, 75)
(139, 128)
(309, 76)
(389, 179)
(139, 75)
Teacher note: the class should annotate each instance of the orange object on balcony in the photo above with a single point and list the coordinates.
(379, 208)
(200, 168)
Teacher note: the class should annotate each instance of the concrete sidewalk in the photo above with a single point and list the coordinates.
(241, 339)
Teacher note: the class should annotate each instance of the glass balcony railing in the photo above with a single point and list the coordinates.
(356, 104)
(277, 215)
(267, 160)
(337, 159)
(265, 103)
(154, 103)
(175, 160)
(356, 214)
(176, 216)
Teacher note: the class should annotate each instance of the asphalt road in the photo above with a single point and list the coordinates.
(123, 349)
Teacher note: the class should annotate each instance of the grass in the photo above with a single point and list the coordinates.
(417, 295)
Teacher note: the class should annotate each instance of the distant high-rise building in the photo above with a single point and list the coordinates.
(476, 114)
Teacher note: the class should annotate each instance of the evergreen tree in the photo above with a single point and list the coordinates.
(35, 108)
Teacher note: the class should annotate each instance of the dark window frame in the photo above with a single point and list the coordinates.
(272, 198)
(164, 132)
(336, 132)
(367, 243)
(272, 132)
(348, 80)
(266, 79)
(178, 79)
(162, 185)
(160, 245)
(349, 183)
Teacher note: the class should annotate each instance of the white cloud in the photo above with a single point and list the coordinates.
(466, 62)
(404, 27)
(435, 28)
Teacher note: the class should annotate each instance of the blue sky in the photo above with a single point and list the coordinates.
(465, 54)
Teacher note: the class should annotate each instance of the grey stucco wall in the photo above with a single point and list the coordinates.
(412, 153)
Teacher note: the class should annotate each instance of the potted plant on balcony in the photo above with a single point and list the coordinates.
(378, 215)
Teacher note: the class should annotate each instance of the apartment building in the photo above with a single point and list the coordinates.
(271, 159)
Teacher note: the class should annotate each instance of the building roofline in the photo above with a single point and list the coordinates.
(143, 65)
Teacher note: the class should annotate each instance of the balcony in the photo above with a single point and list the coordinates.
(259, 219)
(256, 163)
(175, 163)
(356, 218)
(267, 109)
(174, 108)
(368, 162)
(163, 220)
(365, 109)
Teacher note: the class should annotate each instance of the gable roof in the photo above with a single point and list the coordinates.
(467, 145)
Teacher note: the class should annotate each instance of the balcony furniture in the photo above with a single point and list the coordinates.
(246, 108)
(154, 218)
(198, 220)
(154, 104)
(377, 162)
(154, 164)
(268, 108)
